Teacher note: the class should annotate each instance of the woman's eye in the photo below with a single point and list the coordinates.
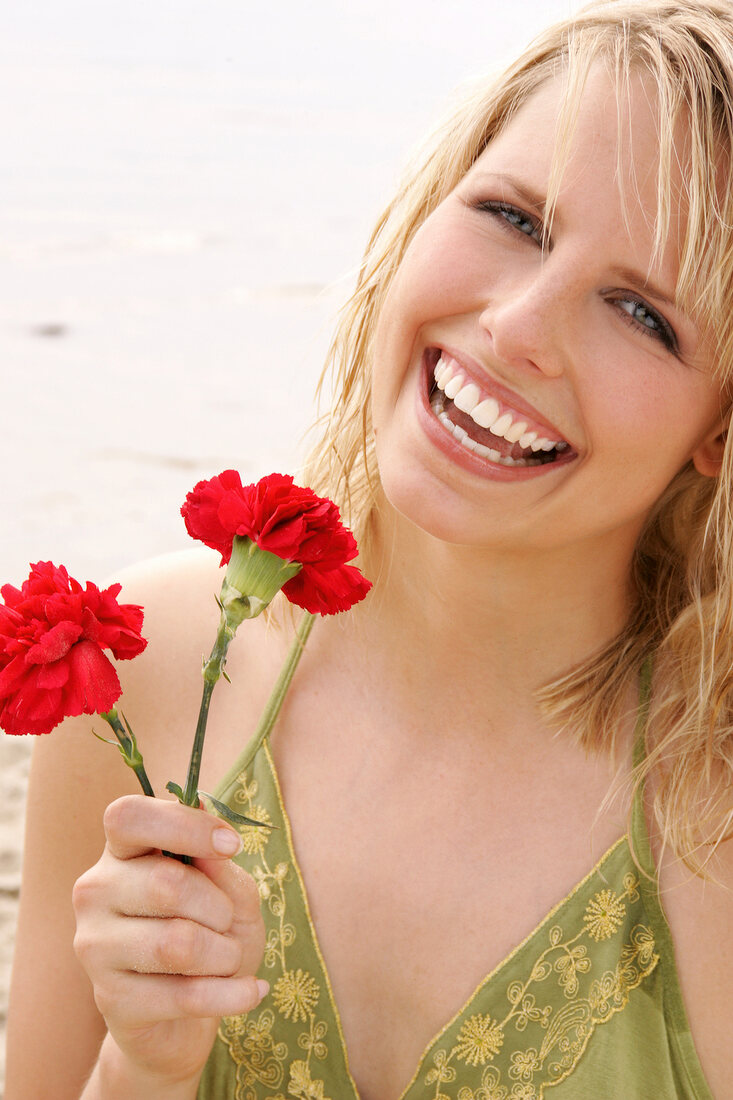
(513, 218)
(647, 321)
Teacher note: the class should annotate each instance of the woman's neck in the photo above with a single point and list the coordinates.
(489, 626)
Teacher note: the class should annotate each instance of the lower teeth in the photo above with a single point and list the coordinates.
(478, 448)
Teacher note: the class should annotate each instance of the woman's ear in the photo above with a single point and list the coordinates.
(708, 458)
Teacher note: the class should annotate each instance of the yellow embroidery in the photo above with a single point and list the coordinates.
(489, 1089)
(479, 1039)
(564, 1031)
(524, 1063)
(302, 1084)
(604, 915)
(259, 1059)
(255, 839)
(295, 993)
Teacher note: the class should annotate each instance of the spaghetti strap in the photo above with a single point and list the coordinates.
(274, 703)
(640, 843)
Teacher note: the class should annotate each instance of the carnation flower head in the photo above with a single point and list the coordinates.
(287, 521)
(53, 634)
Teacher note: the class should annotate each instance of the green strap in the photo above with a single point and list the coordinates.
(280, 690)
(639, 834)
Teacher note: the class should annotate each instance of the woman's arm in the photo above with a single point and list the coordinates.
(55, 1029)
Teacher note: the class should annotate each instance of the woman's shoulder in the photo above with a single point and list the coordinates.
(173, 588)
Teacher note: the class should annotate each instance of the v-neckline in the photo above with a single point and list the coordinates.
(483, 984)
(296, 993)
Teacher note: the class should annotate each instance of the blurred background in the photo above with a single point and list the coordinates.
(187, 189)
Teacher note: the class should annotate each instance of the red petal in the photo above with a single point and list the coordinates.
(54, 644)
(93, 685)
(327, 593)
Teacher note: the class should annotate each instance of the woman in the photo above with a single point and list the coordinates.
(484, 763)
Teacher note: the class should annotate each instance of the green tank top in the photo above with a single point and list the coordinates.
(588, 1005)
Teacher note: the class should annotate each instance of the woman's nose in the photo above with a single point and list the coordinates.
(528, 323)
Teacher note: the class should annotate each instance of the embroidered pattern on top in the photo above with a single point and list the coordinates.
(559, 1035)
(533, 1046)
(276, 1049)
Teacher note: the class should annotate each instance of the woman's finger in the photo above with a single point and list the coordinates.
(155, 886)
(137, 1001)
(247, 925)
(149, 945)
(136, 826)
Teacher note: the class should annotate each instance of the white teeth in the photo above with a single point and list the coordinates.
(516, 431)
(441, 370)
(453, 385)
(500, 426)
(485, 413)
(467, 398)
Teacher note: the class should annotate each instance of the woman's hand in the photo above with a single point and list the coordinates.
(169, 948)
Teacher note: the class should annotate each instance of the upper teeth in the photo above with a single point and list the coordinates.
(485, 411)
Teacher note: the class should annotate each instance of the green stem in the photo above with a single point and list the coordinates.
(128, 747)
(212, 670)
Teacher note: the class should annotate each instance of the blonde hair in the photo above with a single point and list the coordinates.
(683, 566)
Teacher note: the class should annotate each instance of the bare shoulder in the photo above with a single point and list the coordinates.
(700, 915)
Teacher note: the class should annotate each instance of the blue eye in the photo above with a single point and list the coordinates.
(513, 218)
(647, 321)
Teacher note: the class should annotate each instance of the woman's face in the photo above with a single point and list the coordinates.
(570, 349)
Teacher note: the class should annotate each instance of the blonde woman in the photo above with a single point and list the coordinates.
(502, 784)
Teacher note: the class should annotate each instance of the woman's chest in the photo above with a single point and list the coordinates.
(421, 881)
(379, 1011)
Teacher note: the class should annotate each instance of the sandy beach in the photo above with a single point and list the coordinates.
(191, 190)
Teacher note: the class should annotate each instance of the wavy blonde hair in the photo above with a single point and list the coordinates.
(683, 565)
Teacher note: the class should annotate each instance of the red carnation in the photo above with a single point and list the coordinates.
(52, 636)
(285, 520)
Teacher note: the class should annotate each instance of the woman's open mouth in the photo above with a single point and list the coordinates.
(483, 423)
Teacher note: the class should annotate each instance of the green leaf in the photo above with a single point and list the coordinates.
(175, 789)
(231, 815)
(105, 741)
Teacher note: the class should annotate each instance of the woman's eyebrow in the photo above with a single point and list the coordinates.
(639, 282)
(533, 198)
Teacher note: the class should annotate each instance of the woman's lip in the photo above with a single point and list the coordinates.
(488, 384)
(475, 464)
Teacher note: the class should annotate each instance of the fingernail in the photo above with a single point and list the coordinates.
(263, 987)
(226, 842)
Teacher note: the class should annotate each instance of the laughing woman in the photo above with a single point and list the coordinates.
(503, 783)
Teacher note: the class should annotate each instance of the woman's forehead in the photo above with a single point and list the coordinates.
(555, 130)
(603, 148)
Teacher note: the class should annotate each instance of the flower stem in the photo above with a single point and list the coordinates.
(128, 747)
(212, 670)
